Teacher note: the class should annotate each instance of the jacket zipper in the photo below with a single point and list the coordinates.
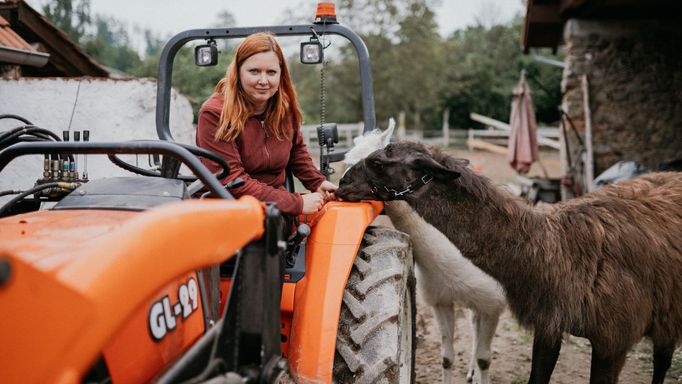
(267, 154)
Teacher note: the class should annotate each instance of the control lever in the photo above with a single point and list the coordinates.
(236, 183)
(302, 231)
(199, 185)
(86, 138)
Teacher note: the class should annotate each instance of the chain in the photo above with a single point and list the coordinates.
(323, 92)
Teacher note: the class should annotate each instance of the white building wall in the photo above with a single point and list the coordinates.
(112, 109)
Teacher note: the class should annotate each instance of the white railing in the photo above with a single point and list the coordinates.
(498, 133)
(494, 138)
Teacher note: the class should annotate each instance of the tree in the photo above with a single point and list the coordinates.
(72, 17)
(110, 45)
(484, 66)
(197, 83)
(420, 52)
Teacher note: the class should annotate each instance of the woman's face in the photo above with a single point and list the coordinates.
(259, 76)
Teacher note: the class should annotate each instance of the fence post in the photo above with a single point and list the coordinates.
(446, 127)
(470, 135)
(401, 125)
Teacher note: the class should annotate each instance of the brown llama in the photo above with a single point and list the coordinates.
(606, 266)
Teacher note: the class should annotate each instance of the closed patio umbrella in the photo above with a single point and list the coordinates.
(523, 140)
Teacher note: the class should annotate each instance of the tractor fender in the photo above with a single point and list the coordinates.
(63, 317)
(330, 253)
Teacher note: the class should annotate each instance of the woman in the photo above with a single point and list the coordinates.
(253, 121)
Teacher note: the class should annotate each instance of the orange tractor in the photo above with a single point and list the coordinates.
(131, 279)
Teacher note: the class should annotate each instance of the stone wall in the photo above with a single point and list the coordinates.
(634, 69)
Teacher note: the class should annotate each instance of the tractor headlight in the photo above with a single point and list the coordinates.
(311, 52)
(206, 54)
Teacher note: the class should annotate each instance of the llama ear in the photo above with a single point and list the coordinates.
(436, 169)
(386, 135)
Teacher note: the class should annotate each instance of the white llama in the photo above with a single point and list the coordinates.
(444, 276)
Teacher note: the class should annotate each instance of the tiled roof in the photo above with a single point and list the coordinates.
(10, 39)
(66, 58)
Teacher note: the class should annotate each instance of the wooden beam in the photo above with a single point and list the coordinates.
(489, 121)
(589, 154)
(566, 5)
(544, 14)
(505, 127)
(480, 144)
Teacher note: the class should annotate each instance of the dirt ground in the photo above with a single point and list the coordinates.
(512, 345)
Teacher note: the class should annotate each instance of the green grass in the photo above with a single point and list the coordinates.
(644, 353)
(676, 367)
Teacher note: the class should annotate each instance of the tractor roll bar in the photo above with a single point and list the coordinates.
(134, 147)
(165, 74)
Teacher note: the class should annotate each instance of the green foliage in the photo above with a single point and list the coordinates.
(72, 17)
(110, 45)
(197, 83)
(676, 367)
(420, 46)
(484, 66)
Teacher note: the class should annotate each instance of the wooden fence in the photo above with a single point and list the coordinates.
(349, 131)
(493, 139)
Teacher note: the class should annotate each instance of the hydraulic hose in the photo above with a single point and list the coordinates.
(29, 129)
(10, 192)
(15, 117)
(35, 189)
(33, 133)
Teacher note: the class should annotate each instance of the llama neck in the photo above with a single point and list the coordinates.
(432, 250)
(488, 226)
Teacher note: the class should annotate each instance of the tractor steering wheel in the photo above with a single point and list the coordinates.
(197, 151)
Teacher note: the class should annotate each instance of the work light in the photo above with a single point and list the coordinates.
(206, 54)
(311, 52)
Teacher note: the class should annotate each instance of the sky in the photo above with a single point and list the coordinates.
(168, 17)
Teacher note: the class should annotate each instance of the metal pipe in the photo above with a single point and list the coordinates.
(22, 57)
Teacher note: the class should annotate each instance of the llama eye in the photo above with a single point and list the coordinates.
(377, 164)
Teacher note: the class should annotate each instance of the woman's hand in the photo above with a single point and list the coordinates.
(312, 202)
(327, 189)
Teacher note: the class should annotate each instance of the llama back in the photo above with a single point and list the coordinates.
(626, 245)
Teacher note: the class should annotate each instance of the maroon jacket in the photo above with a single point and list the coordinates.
(259, 159)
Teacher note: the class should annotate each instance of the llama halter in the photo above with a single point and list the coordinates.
(400, 191)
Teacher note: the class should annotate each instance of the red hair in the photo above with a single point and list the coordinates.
(282, 108)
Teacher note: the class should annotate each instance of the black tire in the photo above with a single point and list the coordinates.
(376, 340)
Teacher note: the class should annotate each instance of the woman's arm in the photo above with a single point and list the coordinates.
(301, 164)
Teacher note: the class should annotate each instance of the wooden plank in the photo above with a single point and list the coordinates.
(489, 121)
(542, 139)
(544, 14)
(492, 133)
(480, 144)
(589, 162)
